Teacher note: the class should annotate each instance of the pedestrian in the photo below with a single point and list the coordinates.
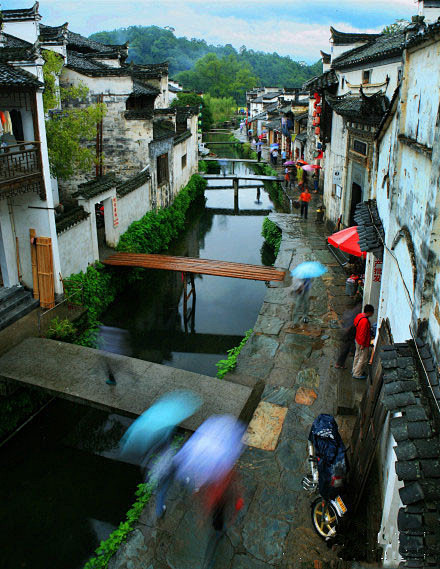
(305, 198)
(275, 156)
(241, 127)
(362, 341)
(259, 148)
(162, 473)
(299, 175)
(287, 177)
(315, 182)
(283, 156)
(302, 303)
(250, 131)
(348, 336)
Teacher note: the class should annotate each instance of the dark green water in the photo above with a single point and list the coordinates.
(147, 321)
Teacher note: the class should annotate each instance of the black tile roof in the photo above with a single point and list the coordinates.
(140, 89)
(96, 186)
(21, 14)
(163, 129)
(360, 108)
(12, 41)
(70, 218)
(384, 46)
(133, 183)
(16, 49)
(16, 77)
(173, 89)
(411, 387)
(369, 228)
(182, 113)
(324, 81)
(181, 136)
(50, 34)
(83, 44)
(79, 62)
(344, 38)
(143, 114)
(326, 57)
(272, 94)
(424, 34)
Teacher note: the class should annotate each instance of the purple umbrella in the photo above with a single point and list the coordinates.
(289, 163)
(211, 452)
(308, 168)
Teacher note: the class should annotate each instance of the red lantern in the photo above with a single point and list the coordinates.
(317, 120)
(317, 130)
(317, 97)
(314, 123)
(314, 113)
(318, 109)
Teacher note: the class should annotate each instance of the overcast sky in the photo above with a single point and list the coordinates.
(298, 28)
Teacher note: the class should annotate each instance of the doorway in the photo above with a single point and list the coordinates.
(356, 197)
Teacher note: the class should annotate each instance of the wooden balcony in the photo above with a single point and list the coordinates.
(21, 169)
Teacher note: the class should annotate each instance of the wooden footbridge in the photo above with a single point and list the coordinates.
(196, 266)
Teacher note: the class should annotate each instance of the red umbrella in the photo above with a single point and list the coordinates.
(347, 240)
(315, 166)
(301, 162)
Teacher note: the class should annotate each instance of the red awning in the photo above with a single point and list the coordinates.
(347, 240)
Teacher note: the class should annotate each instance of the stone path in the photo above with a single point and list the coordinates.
(274, 529)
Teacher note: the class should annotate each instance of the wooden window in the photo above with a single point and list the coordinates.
(366, 76)
(360, 147)
(183, 161)
(162, 169)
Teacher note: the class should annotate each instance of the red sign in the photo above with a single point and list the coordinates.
(377, 271)
(115, 212)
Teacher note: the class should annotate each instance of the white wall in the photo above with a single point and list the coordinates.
(28, 30)
(133, 206)
(76, 248)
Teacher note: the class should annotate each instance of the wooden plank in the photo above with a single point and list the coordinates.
(46, 283)
(198, 266)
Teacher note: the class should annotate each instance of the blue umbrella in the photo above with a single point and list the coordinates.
(308, 270)
(274, 145)
(211, 452)
(158, 422)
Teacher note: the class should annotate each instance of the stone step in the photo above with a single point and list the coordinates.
(11, 301)
(7, 293)
(18, 308)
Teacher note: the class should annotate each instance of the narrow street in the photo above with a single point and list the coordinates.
(297, 365)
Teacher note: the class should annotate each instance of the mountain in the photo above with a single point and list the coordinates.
(153, 45)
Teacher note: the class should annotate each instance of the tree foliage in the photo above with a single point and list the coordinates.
(397, 26)
(192, 99)
(222, 109)
(153, 45)
(68, 130)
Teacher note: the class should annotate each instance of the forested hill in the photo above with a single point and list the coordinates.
(153, 45)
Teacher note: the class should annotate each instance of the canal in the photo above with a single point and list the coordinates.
(62, 490)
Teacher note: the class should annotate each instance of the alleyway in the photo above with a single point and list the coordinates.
(274, 528)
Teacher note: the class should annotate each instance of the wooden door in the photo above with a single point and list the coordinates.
(42, 270)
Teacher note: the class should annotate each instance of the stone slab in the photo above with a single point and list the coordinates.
(268, 325)
(79, 374)
(265, 427)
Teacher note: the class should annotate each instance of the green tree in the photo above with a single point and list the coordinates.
(68, 130)
(192, 100)
(397, 26)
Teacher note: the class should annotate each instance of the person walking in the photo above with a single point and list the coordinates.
(305, 198)
(348, 336)
(287, 178)
(302, 303)
(274, 156)
(283, 156)
(259, 148)
(362, 340)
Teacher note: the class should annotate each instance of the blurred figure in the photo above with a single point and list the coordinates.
(302, 304)
(348, 336)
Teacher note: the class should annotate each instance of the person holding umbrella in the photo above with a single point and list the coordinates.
(259, 148)
(305, 273)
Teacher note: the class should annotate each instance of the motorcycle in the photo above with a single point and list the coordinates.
(328, 468)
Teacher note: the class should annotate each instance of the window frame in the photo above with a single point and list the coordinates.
(162, 169)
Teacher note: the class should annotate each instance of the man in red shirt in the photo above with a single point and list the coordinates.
(362, 340)
(305, 198)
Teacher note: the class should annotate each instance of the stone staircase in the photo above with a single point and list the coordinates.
(15, 302)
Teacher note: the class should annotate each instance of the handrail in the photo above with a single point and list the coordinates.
(6, 149)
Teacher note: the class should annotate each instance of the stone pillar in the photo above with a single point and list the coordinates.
(236, 205)
(8, 260)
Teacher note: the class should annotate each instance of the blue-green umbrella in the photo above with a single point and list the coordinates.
(158, 422)
(308, 270)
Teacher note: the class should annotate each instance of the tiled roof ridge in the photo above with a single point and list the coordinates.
(67, 220)
(339, 37)
(132, 183)
(17, 77)
(21, 13)
(396, 46)
(326, 57)
(360, 108)
(325, 80)
(14, 39)
(369, 227)
(417, 448)
(424, 34)
(96, 186)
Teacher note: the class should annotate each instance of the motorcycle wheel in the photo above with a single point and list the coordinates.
(324, 518)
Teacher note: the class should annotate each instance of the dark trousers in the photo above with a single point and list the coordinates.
(259, 155)
(347, 347)
(304, 209)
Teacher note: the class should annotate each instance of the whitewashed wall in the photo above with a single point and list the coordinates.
(133, 206)
(76, 248)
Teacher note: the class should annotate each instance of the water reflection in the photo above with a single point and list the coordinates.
(148, 320)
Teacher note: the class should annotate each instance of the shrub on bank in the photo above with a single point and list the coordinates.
(224, 366)
(272, 234)
(97, 288)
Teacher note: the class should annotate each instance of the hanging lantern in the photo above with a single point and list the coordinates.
(314, 123)
(314, 113)
(318, 109)
(317, 98)
(317, 130)
(317, 120)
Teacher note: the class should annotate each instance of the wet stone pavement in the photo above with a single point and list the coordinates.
(273, 530)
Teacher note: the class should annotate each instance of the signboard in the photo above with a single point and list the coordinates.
(337, 176)
(115, 212)
(338, 190)
(377, 271)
